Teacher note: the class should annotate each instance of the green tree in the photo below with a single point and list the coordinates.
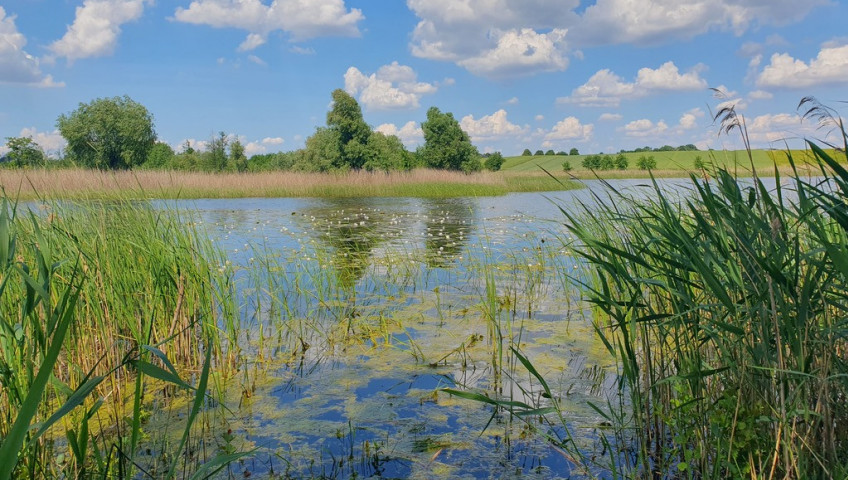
(566, 166)
(621, 162)
(321, 153)
(573, 151)
(526, 153)
(346, 118)
(161, 155)
(550, 152)
(237, 160)
(108, 133)
(24, 152)
(539, 153)
(646, 162)
(386, 152)
(494, 162)
(446, 145)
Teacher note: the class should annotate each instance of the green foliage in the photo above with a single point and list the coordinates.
(526, 152)
(607, 162)
(562, 153)
(161, 155)
(646, 162)
(237, 161)
(550, 152)
(539, 153)
(566, 166)
(573, 151)
(699, 163)
(494, 162)
(267, 162)
(108, 133)
(621, 162)
(446, 145)
(591, 162)
(321, 153)
(345, 117)
(386, 153)
(24, 152)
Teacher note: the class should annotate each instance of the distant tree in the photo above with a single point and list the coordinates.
(237, 160)
(539, 153)
(573, 151)
(215, 159)
(265, 162)
(24, 152)
(346, 118)
(646, 162)
(621, 162)
(526, 153)
(187, 147)
(592, 162)
(494, 162)
(687, 148)
(108, 133)
(666, 148)
(607, 162)
(561, 153)
(550, 152)
(566, 166)
(161, 155)
(446, 145)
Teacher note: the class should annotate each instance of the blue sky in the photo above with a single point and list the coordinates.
(541, 74)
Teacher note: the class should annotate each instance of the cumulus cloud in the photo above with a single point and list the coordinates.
(760, 95)
(51, 142)
(512, 101)
(393, 86)
(520, 52)
(606, 89)
(570, 128)
(301, 19)
(644, 128)
(659, 21)
(539, 117)
(829, 67)
(491, 127)
(16, 65)
(410, 134)
(96, 28)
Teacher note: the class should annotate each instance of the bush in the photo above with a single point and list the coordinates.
(592, 162)
(566, 166)
(526, 153)
(494, 162)
(607, 163)
(621, 162)
(646, 162)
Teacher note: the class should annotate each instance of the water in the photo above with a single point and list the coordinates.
(358, 312)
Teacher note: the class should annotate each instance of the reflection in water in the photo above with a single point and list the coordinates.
(448, 227)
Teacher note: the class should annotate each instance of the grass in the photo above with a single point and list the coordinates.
(671, 164)
(94, 184)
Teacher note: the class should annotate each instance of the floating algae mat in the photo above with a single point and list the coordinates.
(356, 314)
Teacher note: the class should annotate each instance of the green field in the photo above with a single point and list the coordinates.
(668, 163)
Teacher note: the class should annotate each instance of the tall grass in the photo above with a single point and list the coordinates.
(725, 310)
(99, 302)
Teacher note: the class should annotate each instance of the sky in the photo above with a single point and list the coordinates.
(599, 76)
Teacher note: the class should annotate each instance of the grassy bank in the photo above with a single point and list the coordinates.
(95, 184)
(672, 164)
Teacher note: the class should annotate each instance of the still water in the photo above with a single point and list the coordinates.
(358, 312)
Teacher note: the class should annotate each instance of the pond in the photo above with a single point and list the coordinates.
(356, 313)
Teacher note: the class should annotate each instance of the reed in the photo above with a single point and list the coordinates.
(97, 184)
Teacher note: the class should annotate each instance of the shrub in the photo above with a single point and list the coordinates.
(646, 162)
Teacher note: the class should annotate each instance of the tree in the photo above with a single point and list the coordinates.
(539, 153)
(161, 155)
(646, 162)
(215, 159)
(566, 166)
(386, 152)
(526, 153)
(621, 162)
(24, 152)
(494, 162)
(573, 151)
(550, 152)
(321, 153)
(446, 145)
(108, 133)
(238, 160)
(592, 162)
(346, 118)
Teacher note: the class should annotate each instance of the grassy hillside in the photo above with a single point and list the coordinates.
(668, 163)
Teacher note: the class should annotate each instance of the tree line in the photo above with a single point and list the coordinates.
(118, 133)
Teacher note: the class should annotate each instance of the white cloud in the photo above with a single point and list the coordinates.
(778, 127)
(829, 67)
(257, 60)
(660, 21)
(301, 19)
(606, 89)
(252, 41)
(539, 117)
(494, 37)
(16, 65)
(520, 52)
(393, 86)
(96, 28)
(689, 120)
(644, 128)
(51, 142)
(301, 50)
(760, 95)
(610, 117)
(491, 127)
(273, 141)
(512, 101)
(410, 134)
(570, 128)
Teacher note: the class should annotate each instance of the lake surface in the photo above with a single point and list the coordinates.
(357, 312)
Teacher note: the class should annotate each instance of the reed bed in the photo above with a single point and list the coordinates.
(725, 309)
(94, 184)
